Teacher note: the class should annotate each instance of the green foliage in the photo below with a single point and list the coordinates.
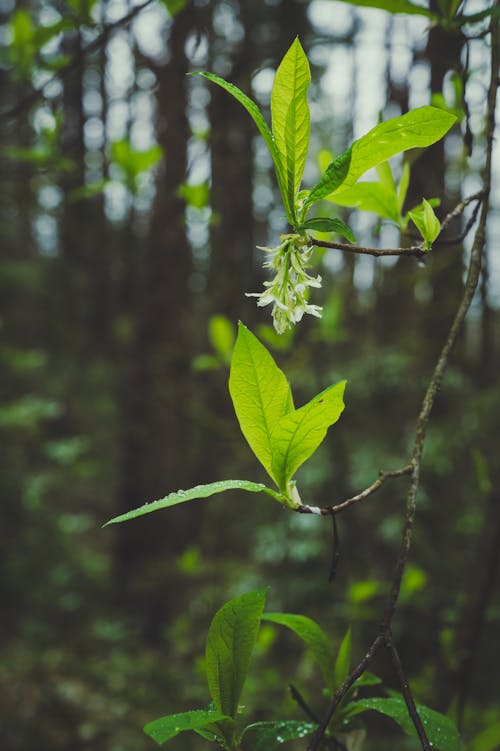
(199, 491)
(290, 118)
(281, 437)
(165, 728)
(418, 128)
(440, 730)
(318, 643)
(394, 6)
(267, 736)
(427, 223)
(133, 163)
(383, 197)
(487, 740)
(230, 642)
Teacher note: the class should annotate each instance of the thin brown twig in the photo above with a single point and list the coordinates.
(337, 508)
(407, 694)
(424, 415)
(414, 251)
(32, 98)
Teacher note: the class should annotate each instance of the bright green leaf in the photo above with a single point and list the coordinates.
(370, 196)
(290, 116)
(230, 642)
(261, 124)
(314, 637)
(195, 195)
(165, 728)
(199, 491)
(402, 189)
(326, 224)
(440, 730)
(394, 6)
(417, 129)
(266, 736)
(298, 434)
(332, 179)
(343, 661)
(426, 222)
(221, 335)
(260, 393)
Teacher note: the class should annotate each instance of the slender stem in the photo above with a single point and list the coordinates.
(297, 697)
(408, 696)
(337, 508)
(415, 251)
(384, 636)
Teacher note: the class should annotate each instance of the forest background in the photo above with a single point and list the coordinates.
(133, 197)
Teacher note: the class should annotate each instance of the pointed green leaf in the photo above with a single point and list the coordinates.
(440, 730)
(403, 185)
(369, 196)
(314, 637)
(260, 392)
(332, 179)
(263, 127)
(221, 334)
(394, 6)
(343, 661)
(426, 222)
(165, 728)
(199, 491)
(290, 116)
(230, 642)
(417, 129)
(299, 433)
(267, 736)
(326, 224)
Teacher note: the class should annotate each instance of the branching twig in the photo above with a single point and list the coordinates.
(417, 250)
(33, 97)
(297, 697)
(384, 636)
(328, 510)
(407, 694)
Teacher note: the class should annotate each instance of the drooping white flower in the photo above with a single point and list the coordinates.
(288, 290)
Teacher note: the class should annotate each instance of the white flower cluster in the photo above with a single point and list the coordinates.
(288, 290)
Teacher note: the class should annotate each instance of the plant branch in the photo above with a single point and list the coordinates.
(407, 694)
(33, 97)
(337, 508)
(417, 250)
(384, 636)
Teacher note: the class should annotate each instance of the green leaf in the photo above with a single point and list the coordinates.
(290, 116)
(440, 730)
(394, 6)
(298, 434)
(343, 661)
(326, 224)
(487, 740)
(403, 186)
(266, 736)
(221, 335)
(260, 393)
(426, 222)
(165, 728)
(230, 642)
(332, 179)
(195, 195)
(199, 491)
(314, 637)
(261, 124)
(370, 196)
(417, 129)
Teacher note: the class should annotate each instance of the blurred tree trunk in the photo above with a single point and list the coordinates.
(154, 393)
